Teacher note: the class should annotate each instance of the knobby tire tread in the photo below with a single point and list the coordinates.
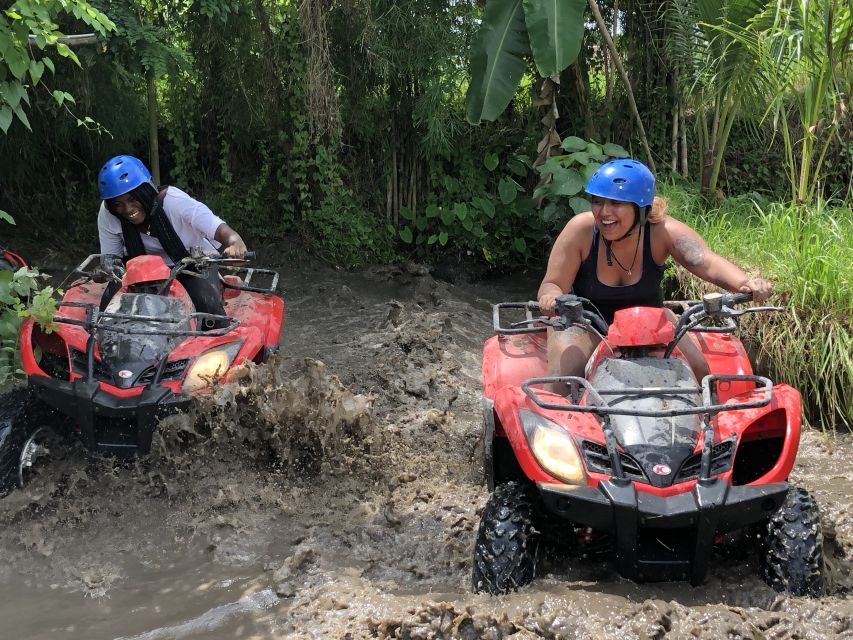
(792, 552)
(507, 540)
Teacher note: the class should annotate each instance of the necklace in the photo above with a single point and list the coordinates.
(612, 256)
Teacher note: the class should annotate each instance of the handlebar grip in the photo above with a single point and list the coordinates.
(250, 255)
(532, 305)
(737, 298)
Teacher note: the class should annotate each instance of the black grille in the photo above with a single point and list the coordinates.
(79, 363)
(721, 461)
(174, 371)
(597, 459)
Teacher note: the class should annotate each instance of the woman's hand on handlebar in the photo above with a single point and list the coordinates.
(547, 303)
(759, 288)
(236, 250)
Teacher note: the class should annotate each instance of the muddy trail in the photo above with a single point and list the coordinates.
(336, 493)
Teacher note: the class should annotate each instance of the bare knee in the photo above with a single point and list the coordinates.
(568, 353)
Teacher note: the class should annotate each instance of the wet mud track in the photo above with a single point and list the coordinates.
(335, 493)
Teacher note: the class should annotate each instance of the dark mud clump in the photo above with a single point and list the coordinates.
(289, 417)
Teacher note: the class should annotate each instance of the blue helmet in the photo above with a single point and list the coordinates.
(625, 180)
(120, 175)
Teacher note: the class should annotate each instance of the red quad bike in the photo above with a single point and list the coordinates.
(638, 458)
(109, 375)
(10, 261)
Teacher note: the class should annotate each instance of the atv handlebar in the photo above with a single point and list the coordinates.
(713, 305)
(571, 311)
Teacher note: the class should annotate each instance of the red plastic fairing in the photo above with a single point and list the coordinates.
(145, 269)
(510, 360)
(28, 360)
(725, 355)
(639, 327)
(582, 426)
(13, 258)
(262, 312)
(781, 418)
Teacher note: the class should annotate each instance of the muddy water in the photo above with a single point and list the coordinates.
(336, 494)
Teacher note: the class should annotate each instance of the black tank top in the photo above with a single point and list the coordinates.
(646, 292)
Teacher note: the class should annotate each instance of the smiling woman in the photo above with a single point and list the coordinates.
(137, 218)
(615, 256)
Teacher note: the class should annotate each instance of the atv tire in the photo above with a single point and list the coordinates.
(507, 541)
(792, 549)
(21, 415)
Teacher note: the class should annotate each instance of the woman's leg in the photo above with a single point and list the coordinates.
(568, 353)
(205, 292)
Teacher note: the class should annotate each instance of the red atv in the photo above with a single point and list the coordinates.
(111, 374)
(10, 261)
(638, 457)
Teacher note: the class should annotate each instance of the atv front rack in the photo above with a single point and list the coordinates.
(710, 406)
(96, 320)
(601, 407)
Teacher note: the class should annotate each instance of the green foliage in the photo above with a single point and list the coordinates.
(495, 217)
(335, 223)
(806, 253)
(564, 176)
(139, 41)
(510, 30)
(21, 296)
(21, 68)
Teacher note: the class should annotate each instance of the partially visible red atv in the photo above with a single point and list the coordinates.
(639, 457)
(109, 375)
(10, 261)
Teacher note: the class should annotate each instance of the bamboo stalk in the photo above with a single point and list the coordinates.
(685, 170)
(395, 204)
(153, 142)
(674, 162)
(389, 196)
(593, 5)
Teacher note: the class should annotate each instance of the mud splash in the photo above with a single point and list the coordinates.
(338, 497)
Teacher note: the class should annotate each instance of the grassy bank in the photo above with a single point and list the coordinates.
(807, 252)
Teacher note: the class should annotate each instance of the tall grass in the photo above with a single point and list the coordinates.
(808, 254)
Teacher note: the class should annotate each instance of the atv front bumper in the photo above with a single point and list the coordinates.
(664, 538)
(108, 423)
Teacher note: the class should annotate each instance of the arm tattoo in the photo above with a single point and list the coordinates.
(692, 252)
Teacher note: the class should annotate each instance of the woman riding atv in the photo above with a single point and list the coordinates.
(637, 237)
(137, 218)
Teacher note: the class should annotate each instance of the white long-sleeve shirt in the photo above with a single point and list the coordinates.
(192, 220)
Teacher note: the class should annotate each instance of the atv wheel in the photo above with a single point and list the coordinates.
(21, 416)
(792, 550)
(507, 541)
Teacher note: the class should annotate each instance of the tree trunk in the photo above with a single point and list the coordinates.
(593, 5)
(153, 143)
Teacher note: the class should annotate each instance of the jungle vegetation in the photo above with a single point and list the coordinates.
(455, 130)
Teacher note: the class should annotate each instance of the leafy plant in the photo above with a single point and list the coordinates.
(26, 27)
(510, 32)
(21, 296)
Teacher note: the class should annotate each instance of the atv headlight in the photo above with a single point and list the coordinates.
(553, 447)
(210, 366)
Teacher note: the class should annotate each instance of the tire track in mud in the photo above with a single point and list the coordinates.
(344, 491)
